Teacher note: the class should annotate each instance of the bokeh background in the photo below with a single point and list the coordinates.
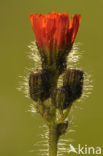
(19, 129)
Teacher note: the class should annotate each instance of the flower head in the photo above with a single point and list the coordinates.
(54, 31)
(55, 35)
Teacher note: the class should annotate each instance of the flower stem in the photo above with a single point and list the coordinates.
(53, 139)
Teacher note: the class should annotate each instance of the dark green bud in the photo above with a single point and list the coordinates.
(71, 89)
(39, 86)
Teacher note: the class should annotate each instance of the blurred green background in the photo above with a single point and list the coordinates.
(20, 129)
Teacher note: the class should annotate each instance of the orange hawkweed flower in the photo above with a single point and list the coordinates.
(55, 35)
(54, 31)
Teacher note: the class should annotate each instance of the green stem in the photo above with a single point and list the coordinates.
(53, 139)
(64, 114)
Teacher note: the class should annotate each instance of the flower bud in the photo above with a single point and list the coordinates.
(39, 86)
(71, 89)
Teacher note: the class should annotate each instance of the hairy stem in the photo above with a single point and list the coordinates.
(53, 139)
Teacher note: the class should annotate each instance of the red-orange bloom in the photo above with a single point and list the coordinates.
(54, 30)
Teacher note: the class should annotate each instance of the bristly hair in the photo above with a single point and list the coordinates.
(73, 61)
